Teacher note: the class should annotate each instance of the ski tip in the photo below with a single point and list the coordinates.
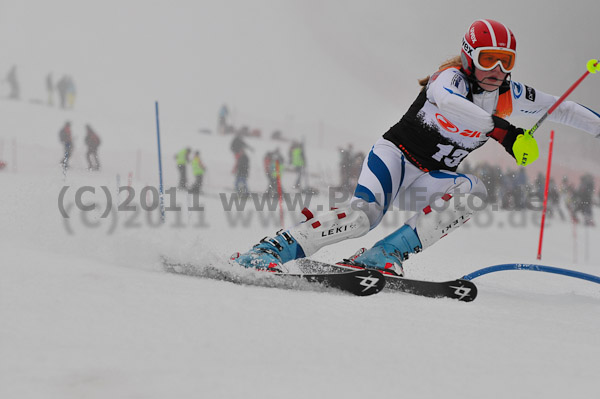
(464, 290)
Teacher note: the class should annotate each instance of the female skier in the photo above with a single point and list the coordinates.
(413, 166)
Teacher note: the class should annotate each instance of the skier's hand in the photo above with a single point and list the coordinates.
(517, 141)
(525, 149)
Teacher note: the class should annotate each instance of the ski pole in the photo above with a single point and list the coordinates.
(592, 67)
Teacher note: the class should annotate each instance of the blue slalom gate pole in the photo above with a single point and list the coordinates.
(160, 176)
(536, 268)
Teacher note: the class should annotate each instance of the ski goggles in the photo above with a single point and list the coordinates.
(486, 58)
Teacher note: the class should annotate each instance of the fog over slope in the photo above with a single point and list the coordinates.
(343, 70)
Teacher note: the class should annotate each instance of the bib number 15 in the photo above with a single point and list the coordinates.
(449, 155)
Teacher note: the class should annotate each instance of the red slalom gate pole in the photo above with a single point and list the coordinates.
(539, 254)
(279, 191)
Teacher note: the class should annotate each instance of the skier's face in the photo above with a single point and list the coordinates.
(490, 80)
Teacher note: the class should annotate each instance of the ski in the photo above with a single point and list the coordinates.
(358, 282)
(462, 290)
(354, 281)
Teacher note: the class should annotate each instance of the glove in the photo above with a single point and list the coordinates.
(525, 149)
(517, 142)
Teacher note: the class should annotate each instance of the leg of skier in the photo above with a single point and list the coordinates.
(443, 201)
(338, 224)
(386, 176)
(305, 238)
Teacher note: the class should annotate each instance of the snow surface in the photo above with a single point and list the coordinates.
(91, 314)
(87, 312)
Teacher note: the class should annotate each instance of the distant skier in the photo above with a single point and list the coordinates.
(413, 166)
(182, 158)
(93, 142)
(66, 138)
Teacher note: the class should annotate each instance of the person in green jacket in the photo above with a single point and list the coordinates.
(182, 158)
(297, 161)
(198, 170)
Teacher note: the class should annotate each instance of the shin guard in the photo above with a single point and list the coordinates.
(444, 215)
(329, 228)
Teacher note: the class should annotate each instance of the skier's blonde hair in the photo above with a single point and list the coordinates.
(453, 62)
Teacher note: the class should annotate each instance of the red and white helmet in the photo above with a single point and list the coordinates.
(486, 44)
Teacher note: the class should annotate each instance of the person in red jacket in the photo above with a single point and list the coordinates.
(66, 138)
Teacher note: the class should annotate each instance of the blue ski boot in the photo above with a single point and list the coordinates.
(388, 254)
(271, 253)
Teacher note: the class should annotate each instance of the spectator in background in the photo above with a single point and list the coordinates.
(345, 168)
(182, 158)
(198, 170)
(567, 193)
(50, 89)
(66, 92)
(539, 185)
(71, 92)
(61, 87)
(277, 135)
(297, 161)
(13, 83)
(241, 170)
(238, 144)
(92, 140)
(356, 162)
(585, 199)
(272, 160)
(66, 138)
(554, 200)
(222, 120)
(520, 189)
(272, 183)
